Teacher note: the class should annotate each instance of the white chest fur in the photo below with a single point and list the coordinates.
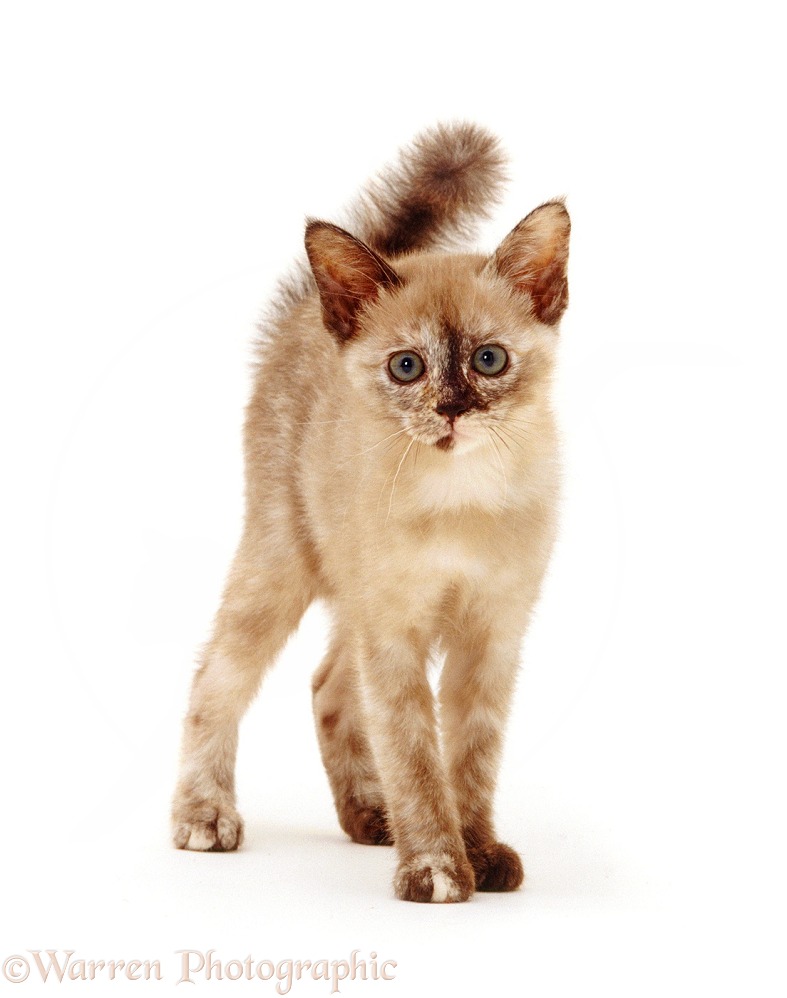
(477, 478)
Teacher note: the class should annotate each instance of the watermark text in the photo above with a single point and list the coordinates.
(191, 966)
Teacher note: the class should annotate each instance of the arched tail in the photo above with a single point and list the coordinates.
(445, 182)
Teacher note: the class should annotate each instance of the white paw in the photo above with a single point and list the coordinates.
(206, 827)
(437, 879)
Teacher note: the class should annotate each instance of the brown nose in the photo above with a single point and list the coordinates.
(452, 409)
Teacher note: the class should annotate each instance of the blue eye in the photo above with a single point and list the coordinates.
(406, 366)
(490, 360)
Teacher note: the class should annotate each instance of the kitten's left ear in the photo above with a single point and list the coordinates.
(534, 257)
(349, 276)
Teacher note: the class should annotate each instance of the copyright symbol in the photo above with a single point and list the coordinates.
(16, 969)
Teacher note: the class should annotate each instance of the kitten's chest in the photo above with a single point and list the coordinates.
(483, 481)
(447, 555)
(453, 547)
(421, 520)
(477, 521)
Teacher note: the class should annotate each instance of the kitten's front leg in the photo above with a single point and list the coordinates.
(475, 694)
(261, 607)
(433, 863)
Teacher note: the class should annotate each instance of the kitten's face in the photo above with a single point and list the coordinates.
(451, 357)
(453, 348)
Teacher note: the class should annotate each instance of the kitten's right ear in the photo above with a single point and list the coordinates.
(349, 276)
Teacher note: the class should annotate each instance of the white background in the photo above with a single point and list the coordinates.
(157, 163)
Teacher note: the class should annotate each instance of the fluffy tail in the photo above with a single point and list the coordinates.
(443, 184)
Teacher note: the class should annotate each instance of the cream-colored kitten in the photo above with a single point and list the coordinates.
(401, 466)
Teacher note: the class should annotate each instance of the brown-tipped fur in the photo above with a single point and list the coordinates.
(349, 276)
(420, 507)
(445, 182)
(534, 256)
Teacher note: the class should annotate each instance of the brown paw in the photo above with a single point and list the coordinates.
(367, 825)
(497, 867)
(206, 827)
(434, 879)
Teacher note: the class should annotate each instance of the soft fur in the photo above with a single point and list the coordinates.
(422, 513)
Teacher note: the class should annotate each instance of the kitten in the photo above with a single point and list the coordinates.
(401, 466)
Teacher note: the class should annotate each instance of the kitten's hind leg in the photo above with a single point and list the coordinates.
(345, 749)
(261, 607)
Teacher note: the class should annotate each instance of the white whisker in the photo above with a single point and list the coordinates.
(393, 486)
(502, 466)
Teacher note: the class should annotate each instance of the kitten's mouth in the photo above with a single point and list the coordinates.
(457, 440)
(454, 438)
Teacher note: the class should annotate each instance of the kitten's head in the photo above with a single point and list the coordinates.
(455, 348)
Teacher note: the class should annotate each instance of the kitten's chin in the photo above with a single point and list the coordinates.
(457, 442)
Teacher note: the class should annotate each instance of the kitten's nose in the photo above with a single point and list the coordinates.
(451, 409)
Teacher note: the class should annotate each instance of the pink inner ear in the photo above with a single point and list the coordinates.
(348, 275)
(337, 281)
(534, 258)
